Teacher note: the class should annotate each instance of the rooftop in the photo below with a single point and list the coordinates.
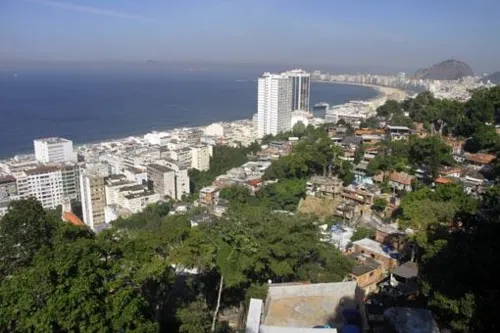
(325, 180)
(372, 246)
(70, 217)
(42, 169)
(135, 187)
(364, 263)
(443, 180)
(407, 270)
(209, 189)
(480, 158)
(159, 168)
(7, 179)
(139, 195)
(405, 128)
(52, 140)
(402, 178)
(307, 305)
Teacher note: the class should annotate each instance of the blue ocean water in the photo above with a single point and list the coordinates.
(87, 105)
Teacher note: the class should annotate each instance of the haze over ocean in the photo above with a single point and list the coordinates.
(87, 105)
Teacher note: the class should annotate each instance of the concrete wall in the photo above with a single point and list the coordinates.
(340, 289)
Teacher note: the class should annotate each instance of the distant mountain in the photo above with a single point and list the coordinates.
(446, 70)
(495, 78)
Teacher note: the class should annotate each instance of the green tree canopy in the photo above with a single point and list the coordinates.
(379, 204)
(432, 152)
(485, 138)
(362, 232)
(391, 107)
(24, 230)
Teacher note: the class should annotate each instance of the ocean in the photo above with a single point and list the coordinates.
(88, 105)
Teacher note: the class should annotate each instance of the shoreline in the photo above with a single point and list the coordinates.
(383, 90)
(382, 93)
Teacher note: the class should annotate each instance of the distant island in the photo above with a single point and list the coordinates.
(450, 69)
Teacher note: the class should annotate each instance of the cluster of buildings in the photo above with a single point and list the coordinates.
(399, 81)
(459, 90)
(446, 89)
(115, 178)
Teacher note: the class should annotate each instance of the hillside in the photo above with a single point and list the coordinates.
(495, 78)
(446, 70)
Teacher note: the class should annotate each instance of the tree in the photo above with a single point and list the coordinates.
(379, 204)
(401, 120)
(463, 301)
(431, 152)
(237, 195)
(224, 158)
(391, 107)
(358, 154)
(371, 122)
(484, 138)
(151, 217)
(106, 284)
(24, 230)
(299, 129)
(362, 232)
(283, 195)
(194, 318)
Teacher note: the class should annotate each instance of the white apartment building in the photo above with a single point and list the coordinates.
(54, 150)
(93, 195)
(157, 138)
(112, 187)
(200, 157)
(136, 202)
(140, 176)
(182, 156)
(274, 104)
(161, 180)
(215, 129)
(49, 184)
(301, 89)
(181, 178)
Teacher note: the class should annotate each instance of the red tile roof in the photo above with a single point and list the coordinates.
(480, 158)
(449, 171)
(254, 182)
(72, 218)
(401, 177)
(443, 180)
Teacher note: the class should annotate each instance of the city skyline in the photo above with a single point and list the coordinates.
(392, 35)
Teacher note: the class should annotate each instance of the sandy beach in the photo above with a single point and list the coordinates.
(390, 92)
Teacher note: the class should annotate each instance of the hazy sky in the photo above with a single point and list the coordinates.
(384, 33)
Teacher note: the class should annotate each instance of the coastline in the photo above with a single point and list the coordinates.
(383, 91)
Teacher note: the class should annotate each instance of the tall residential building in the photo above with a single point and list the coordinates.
(54, 150)
(93, 195)
(49, 184)
(301, 89)
(181, 178)
(274, 104)
(161, 180)
(200, 157)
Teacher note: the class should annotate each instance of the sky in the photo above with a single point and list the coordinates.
(391, 34)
